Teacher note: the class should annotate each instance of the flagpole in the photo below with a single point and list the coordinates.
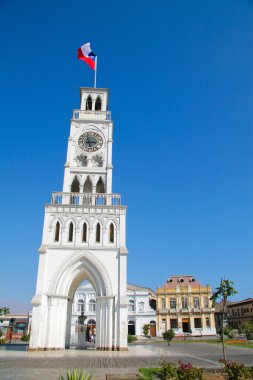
(95, 74)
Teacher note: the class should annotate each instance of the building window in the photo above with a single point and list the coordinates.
(84, 233)
(131, 305)
(75, 186)
(173, 303)
(92, 305)
(173, 323)
(80, 306)
(57, 232)
(208, 322)
(89, 103)
(206, 303)
(87, 187)
(197, 323)
(100, 188)
(141, 307)
(98, 233)
(184, 303)
(196, 302)
(98, 104)
(111, 233)
(71, 230)
(163, 303)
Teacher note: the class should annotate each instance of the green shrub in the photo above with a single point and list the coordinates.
(168, 371)
(184, 371)
(131, 338)
(228, 331)
(25, 337)
(236, 371)
(2, 340)
(75, 375)
(146, 329)
(168, 335)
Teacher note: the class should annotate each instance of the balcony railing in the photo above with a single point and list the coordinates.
(82, 199)
(91, 115)
(163, 311)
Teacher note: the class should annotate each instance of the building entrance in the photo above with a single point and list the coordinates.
(186, 325)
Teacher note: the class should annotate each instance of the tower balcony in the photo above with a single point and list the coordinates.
(86, 199)
(91, 115)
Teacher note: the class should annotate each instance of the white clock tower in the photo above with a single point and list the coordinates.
(84, 236)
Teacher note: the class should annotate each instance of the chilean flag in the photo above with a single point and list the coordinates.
(85, 54)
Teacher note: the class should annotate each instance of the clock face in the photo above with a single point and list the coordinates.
(90, 141)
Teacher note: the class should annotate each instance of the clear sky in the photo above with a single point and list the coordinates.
(181, 95)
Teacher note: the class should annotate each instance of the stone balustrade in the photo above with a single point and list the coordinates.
(89, 199)
(91, 115)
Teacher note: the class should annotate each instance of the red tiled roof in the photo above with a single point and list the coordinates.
(181, 280)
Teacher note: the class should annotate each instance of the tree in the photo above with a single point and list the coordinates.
(146, 328)
(168, 335)
(4, 311)
(247, 328)
(223, 292)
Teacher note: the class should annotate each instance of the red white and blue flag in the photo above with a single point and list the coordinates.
(85, 54)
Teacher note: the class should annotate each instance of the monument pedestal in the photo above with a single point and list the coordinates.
(81, 343)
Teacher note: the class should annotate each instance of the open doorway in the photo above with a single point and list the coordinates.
(84, 306)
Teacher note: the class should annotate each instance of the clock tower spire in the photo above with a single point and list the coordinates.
(84, 236)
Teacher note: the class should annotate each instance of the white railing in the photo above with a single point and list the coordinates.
(83, 199)
(90, 114)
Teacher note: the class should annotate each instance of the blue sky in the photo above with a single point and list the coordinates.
(181, 93)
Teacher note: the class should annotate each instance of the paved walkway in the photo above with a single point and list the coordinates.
(18, 365)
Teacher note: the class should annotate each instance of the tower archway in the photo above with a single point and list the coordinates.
(60, 297)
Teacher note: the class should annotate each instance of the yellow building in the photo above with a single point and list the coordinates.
(184, 305)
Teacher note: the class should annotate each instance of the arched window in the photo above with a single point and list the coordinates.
(89, 103)
(87, 187)
(84, 232)
(71, 230)
(98, 233)
(111, 233)
(100, 186)
(98, 104)
(92, 305)
(131, 305)
(141, 307)
(80, 306)
(75, 186)
(57, 232)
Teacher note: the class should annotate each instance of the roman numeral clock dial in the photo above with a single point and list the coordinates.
(90, 141)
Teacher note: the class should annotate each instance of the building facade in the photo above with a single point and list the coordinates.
(141, 310)
(184, 305)
(240, 312)
(84, 236)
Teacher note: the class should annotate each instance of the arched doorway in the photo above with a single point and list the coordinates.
(84, 302)
(54, 331)
(131, 328)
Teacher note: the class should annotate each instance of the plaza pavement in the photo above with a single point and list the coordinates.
(21, 365)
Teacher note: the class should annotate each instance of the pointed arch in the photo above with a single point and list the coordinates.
(75, 186)
(111, 233)
(98, 233)
(87, 187)
(89, 103)
(100, 188)
(71, 232)
(84, 232)
(57, 229)
(98, 104)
